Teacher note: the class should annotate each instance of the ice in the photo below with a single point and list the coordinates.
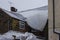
(22, 4)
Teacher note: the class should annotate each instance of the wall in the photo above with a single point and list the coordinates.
(3, 22)
(15, 24)
(52, 35)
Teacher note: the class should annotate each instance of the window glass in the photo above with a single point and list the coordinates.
(22, 24)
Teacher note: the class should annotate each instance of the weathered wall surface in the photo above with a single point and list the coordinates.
(57, 15)
(53, 36)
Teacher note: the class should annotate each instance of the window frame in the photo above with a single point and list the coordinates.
(20, 24)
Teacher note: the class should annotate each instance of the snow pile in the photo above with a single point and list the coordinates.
(19, 35)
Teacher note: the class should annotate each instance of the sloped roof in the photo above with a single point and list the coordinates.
(37, 17)
(15, 15)
(39, 8)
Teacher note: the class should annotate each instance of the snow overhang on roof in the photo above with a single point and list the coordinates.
(15, 15)
(37, 17)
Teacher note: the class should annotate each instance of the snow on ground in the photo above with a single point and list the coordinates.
(19, 35)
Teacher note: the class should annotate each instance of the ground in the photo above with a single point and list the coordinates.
(19, 35)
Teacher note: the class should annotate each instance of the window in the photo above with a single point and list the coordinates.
(1, 15)
(21, 24)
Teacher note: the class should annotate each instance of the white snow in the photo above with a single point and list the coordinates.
(36, 18)
(19, 35)
(14, 15)
(22, 4)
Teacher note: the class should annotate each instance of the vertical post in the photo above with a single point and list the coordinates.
(53, 15)
(54, 19)
(59, 36)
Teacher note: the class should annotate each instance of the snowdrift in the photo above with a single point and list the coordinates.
(19, 35)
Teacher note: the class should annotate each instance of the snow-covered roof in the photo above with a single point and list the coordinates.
(14, 15)
(37, 17)
(38, 8)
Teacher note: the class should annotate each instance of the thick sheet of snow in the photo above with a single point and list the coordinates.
(14, 15)
(19, 35)
(36, 18)
(22, 4)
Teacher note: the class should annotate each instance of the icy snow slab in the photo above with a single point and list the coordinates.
(19, 35)
(36, 19)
